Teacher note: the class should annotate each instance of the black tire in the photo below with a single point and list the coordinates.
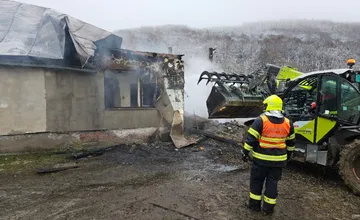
(349, 166)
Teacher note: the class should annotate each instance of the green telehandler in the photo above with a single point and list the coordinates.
(323, 105)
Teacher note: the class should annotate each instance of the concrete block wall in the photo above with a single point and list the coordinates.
(39, 104)
(75, 100)
(131, 118)
(22, 100)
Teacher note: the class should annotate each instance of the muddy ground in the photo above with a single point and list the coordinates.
(156, 181)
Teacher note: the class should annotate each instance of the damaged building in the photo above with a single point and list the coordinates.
(66, 82)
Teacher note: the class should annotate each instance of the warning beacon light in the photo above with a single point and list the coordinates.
(350, 62)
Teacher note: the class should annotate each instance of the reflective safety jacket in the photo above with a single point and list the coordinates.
(271, 140)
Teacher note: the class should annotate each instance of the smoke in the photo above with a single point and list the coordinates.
(196, 95)
(195, 61)
(140, 41)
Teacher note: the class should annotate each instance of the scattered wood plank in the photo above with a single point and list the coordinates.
(168, 209)
(93, 152)
(216, 137)
(202, 139)
(88, 153)
(56, 168)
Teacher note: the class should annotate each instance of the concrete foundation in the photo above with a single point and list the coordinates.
(64, 141)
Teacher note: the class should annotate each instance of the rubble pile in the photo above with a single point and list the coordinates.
(195, 121)
(231, 130)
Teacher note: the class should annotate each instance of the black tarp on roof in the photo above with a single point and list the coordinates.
(37, 32)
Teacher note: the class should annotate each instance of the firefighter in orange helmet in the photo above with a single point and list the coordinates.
(271, 141)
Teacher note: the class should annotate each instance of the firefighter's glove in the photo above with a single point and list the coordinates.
(289, 156)
(245, 155)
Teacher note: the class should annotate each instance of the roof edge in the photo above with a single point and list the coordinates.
(47, 67)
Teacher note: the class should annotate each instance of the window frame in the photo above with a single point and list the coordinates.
(306, 81)
(341, 80)
(319, 100)
(139, 95)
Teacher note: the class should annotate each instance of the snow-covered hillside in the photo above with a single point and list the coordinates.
(305, 44)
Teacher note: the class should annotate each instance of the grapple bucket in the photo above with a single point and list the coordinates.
(237, 95)
(221, 104)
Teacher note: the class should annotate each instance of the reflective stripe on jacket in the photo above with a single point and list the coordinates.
(270, 139)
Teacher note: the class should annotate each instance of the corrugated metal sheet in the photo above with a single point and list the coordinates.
(29, 30)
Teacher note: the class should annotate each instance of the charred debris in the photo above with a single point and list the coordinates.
(166, 73)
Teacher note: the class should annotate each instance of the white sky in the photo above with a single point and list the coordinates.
(122, 14)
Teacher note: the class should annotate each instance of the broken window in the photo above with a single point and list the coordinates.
(111, 90)
(134, 95)
(148, 88)
(129, 89)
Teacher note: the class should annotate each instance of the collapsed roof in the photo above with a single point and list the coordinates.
(32, 33)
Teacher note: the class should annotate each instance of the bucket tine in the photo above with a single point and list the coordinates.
(205, 73)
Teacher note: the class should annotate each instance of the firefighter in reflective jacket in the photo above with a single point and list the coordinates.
(271, 141)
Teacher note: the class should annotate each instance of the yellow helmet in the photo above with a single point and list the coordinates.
(273, 103)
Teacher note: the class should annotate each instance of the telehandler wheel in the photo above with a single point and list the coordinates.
(349, 165)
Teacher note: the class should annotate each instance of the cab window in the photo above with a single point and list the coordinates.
(297, 102)
(349, 103)
(328, 101)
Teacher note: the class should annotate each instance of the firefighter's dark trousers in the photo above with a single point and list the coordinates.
(259, 175)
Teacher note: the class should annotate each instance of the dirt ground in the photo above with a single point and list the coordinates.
(157, 181)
